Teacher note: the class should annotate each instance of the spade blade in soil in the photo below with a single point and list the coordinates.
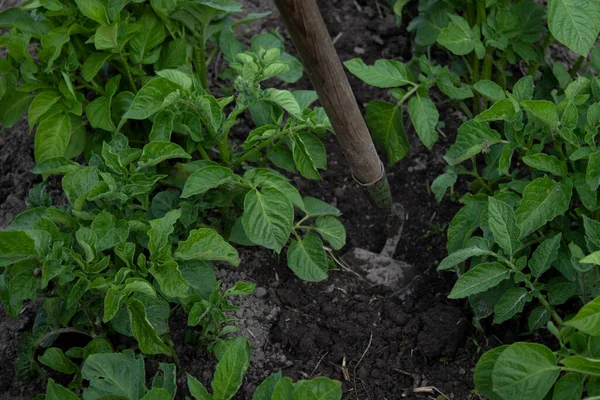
(381, 268)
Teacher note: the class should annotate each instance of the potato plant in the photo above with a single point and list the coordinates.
(122, 375)
(496, 41)
(161, 177)
(524, 245)
(530, 229)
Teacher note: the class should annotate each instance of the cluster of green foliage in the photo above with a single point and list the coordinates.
(530, 228)
(484, 40)
(161, 187)
(526, 243)
(123, 376)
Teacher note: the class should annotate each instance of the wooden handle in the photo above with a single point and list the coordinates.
(309, 34)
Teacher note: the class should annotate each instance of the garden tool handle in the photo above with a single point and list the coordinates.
(308, 31)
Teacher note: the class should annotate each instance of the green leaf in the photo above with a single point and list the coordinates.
(159, 232)
(156, 152)
(93, 9)
(12, 107)
(546, 163)
(502, 110)
(308, 259)
(120, 375)
(268, 218)
(523, 89)
(544, 255)
(112, 303)
(197, 390)
(587, 318)
(489, 90)
(314, 148)
(320, 388)
(77, 291)
(303, 159)
(445, 84)
(179, 78)
(503, 224)
(457, 36)
(106, 37)
(54, 391)
(282, 157)
(40, 105)
(162, 126)
(109, 232)
(574, 23)
(15, 246)
(240, 288)
(543, 200)
(315, 207)
(587, 366)
(263, 177)
(387, 128)
(592, 175)
(265, 390)
(332, 230)
(569, 387)
(206, 178)
(383, 74)
(170, 279)
(158, 394)
(541, 111)
(592, 233)
(538, 318)
(206, 244)
(482, 375)
(479, 279)
(593, 258)
(285, 99)
(473, 137)
(231, 368)
(173, 55)
(150, 98)
(52, 137)
(511, 303)
(98, 114)
(143, 330)
(559, 293)
(92, 65)
(525, 371)
(440, 185)
(284, 389)
(141, 46)
(461, 255)
(424, 117)
(56, 359)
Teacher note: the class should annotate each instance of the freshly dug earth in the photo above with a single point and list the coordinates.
(380, 344)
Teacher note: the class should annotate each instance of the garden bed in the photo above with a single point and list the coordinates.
(380, 344)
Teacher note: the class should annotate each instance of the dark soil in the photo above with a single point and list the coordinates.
(381, 345)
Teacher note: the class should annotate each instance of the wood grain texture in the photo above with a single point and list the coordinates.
(308, 31)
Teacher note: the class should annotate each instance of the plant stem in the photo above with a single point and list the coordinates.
(58, 332)
(408, 94)
(224, 150)
(128, 74)
(534, 69)
(530, 286)
(478, 177)
(200, 55)
(266, 143)
(224, 144)
(577, 66)
(203, 153)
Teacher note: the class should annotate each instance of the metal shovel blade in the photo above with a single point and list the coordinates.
(381, 268)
